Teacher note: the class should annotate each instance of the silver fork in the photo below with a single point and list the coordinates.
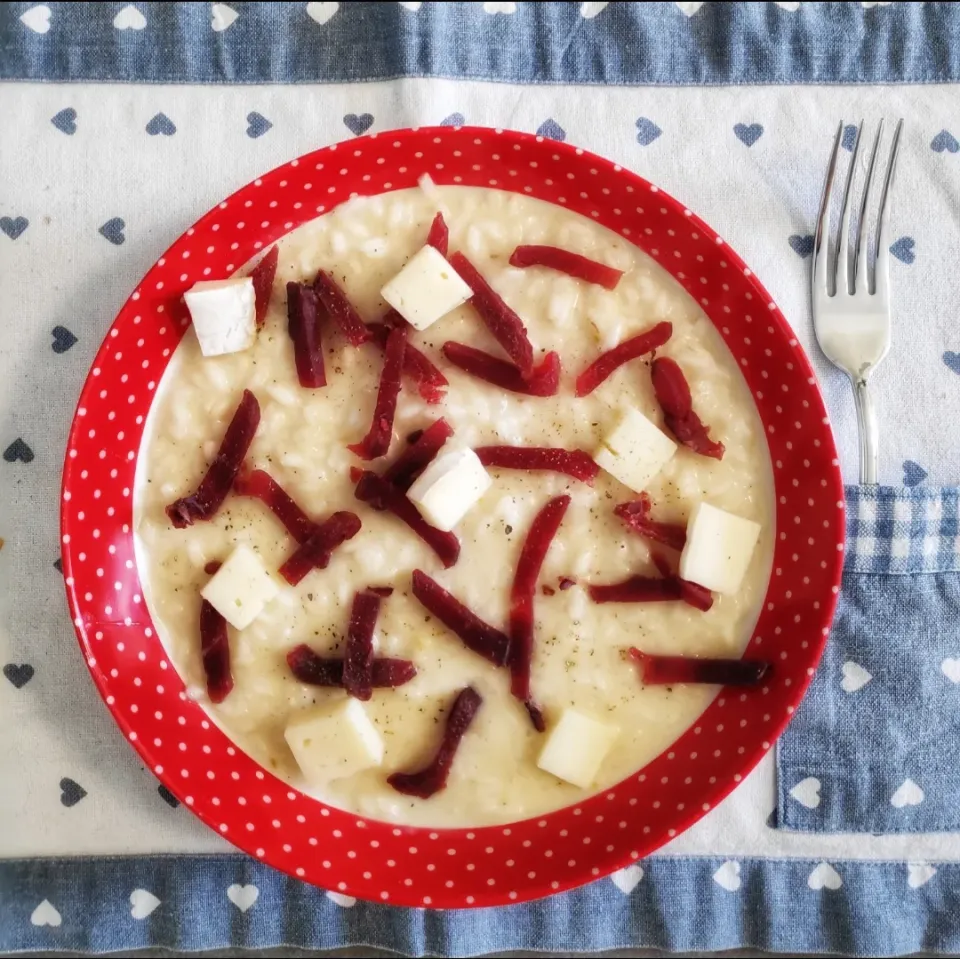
(852, 323)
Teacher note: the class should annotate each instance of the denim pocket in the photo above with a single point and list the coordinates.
(875, 745)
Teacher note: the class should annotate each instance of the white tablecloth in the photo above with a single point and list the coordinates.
(60, 271)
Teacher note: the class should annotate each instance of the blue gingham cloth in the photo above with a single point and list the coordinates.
(96, 178)
(902, 531)
(875, 746)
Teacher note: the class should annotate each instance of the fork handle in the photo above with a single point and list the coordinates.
(869, 433)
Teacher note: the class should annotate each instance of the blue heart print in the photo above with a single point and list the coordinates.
(902, 249)
(65, 121)
(748, 134)
(358, 125)
(18, 450)
(913, 473)
(944, 140)
(112, 230)
(18, 673)
(161, 123)
(647, 131)
(801, 245)
(13, 226)
(63, 339)
(953, 361)
(849, 137)
(454, 120)
(552, 130)
(257, 125)
(71, 792)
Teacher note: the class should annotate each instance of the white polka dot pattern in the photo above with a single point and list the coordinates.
(490, 866)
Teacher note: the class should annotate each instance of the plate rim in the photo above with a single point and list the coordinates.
(540, 888)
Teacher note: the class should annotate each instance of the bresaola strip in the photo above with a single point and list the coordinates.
(500, 319)
(263, 275)
(377, 441)
(631, 349)
(439, 235)
(404, 470)
(669, 587)
(315, 552)
(303, 325)
(673, 395)
(215, 653)
(573, 264)
(575, 463)
(544, 380)
(433, 777)
(669, 670)
(315, 670)
(220, 475)
(260, 485)
(358, 652)
(636, 515)
(431, 383)
(383, 494)
(693, 594)
(542, 531)
(341, 310)
(636, 589)
(480, 637)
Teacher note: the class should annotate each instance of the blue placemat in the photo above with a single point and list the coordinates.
(612, 43)
(680, 904)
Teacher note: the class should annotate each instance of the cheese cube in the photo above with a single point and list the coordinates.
(224, 315)
(719, 548)
(427, 288)
(576, 747)
(452, 483)
(634, 451)
(240, 589)
(334, 741)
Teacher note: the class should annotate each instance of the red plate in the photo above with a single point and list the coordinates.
(404, 865)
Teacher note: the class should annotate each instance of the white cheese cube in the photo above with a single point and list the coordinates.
(576, 747)
(452, 483)
(719, 548)
(634, 451)
(427, 288)
(334, 741)
(240, 589)
(224, 315)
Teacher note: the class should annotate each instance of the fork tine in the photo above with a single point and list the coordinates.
(820, 274)
(857, 257)
(843, 240)
(881, 255)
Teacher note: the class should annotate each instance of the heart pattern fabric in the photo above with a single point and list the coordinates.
(550, 128)
(63, 339)
(824, 876)
(748, 133)
(358, 125)
(244, 897)
(65, 121)
(112, 230)
(807, 792)
(142, 904)
(14, 226)
(161, 124)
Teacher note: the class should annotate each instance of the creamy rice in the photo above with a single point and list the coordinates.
(302, 443)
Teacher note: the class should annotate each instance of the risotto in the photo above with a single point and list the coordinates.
(302, 442)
